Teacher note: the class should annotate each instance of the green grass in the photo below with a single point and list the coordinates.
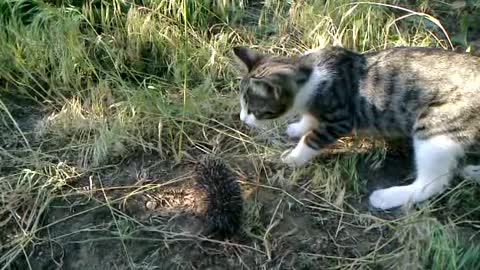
(89, 85)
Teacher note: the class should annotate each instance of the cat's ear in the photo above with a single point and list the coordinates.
(248, 57)
(303, 74)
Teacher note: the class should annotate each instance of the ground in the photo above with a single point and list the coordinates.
(105, 114)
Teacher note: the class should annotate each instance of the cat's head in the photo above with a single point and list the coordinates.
(269, 85)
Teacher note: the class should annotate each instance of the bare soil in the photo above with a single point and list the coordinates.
(121, 217)
(85, 236)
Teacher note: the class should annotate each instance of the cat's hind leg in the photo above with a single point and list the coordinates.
(436, 160)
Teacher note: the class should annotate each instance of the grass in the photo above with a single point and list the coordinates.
(104, 103)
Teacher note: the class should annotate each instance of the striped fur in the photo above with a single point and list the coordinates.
(421, 93)
(396, 92)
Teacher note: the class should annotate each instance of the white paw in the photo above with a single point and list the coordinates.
(300, 155)
(390, 197)
(294, 158)
(296, 130)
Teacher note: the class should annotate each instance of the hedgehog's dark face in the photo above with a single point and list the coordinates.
(267, 90)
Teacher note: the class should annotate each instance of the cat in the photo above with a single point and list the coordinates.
(430, 95)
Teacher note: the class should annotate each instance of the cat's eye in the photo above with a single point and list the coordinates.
(268, 114)
(269, 88)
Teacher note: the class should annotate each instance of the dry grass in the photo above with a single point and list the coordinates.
(105, 103)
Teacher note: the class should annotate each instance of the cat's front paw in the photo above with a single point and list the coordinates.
(380, 199)
(389, 198)
(294, 158)
(296, 130)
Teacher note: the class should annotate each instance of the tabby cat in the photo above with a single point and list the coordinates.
(430, 95)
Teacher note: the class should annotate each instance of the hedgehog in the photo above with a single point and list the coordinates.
(222, 198)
